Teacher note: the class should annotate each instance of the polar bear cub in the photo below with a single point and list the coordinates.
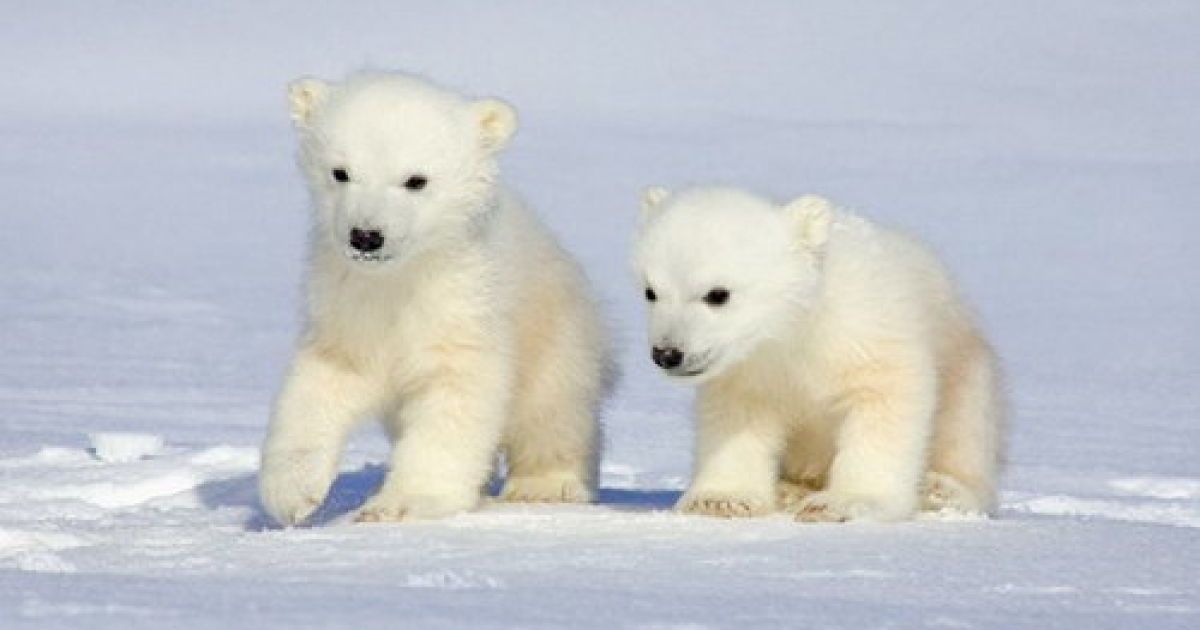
(437, 302)
(841, 376)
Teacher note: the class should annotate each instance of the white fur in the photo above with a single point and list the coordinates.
(468, 331)
(843, 379)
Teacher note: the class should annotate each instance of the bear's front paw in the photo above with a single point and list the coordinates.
(385, 507)
(546, 489)
(292, 483)
(724, 504)
(832, 507)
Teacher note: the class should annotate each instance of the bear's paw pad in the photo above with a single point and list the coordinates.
(725, 505)
(829, 507)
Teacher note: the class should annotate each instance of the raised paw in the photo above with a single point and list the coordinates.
(384, 507)
(293, 483)
(943, 493)
(829, 507)
(546, 489)
(724, 504)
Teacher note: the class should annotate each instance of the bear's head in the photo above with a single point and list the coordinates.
(396, 165)
(723, 271)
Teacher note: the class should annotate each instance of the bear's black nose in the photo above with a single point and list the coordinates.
(667, 358)
(366, 240)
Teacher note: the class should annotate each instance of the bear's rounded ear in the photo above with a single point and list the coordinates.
(652, 199)
(305, 95)
(497, 122)
(810, 217)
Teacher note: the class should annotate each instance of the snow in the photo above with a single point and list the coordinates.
(151, 241)
(124, 447)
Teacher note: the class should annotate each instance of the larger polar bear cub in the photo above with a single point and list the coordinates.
(437, 302)
(841, 375)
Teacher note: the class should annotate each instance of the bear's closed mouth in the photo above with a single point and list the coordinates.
(706, 361)
(371, 257)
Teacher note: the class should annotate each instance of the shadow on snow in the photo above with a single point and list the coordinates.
(351, 489)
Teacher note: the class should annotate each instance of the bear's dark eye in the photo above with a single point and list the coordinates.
(651, 295)
(340, 175)
(716, 297)
(416, 182)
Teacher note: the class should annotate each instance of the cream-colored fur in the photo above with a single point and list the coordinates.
(469, 331)
(843, 378)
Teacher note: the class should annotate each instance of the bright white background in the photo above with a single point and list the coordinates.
(151, 235)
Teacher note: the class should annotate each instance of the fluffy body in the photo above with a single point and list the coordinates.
(470, 330)
(843, 379)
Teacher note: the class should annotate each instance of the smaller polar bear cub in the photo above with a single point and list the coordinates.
(437, 302)
(841, 376)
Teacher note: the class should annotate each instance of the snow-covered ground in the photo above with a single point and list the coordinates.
(151, 231)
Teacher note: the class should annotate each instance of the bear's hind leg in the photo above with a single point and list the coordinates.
(550, 443)
(549, 458)
(551, 438)
(805, 465)
(965, 456)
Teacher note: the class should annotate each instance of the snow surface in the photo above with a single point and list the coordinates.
(124, 447)
(151, 239)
